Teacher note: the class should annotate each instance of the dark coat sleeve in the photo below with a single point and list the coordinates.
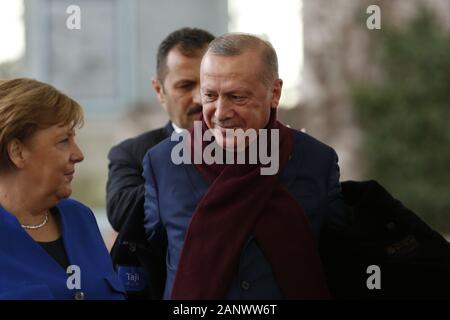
(125, 208)
(125, 185)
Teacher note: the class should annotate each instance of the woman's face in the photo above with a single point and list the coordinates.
(51, 155)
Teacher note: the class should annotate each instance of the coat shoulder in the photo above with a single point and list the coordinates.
(162, 151)
(312, 145)
(138, 145)
(145, 138)
(70, 203)
(74, 209)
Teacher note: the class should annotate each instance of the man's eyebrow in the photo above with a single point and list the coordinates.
(241, 90)
(203, 89)
(184, 81)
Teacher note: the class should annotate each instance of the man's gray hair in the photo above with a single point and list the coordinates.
(233, 44)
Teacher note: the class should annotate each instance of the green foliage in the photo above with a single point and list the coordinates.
(406, 118)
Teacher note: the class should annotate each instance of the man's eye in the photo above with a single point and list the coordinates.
(238, 98)
(208, 96)
(64, 141)
(186, 86)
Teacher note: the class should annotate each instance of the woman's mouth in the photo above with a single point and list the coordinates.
(69, 176)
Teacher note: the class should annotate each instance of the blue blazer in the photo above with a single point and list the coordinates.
(28, 272)
(172, 193)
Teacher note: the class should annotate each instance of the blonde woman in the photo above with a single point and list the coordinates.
(50, 246)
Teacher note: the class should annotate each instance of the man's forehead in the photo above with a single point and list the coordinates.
(229, 69)
(227, 82)
(244, 63)
(176, 56)
(179, 65)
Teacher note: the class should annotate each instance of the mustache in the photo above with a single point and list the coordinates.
(195, 109)
(227, 124)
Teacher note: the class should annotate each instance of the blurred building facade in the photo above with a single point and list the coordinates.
(107, 65)
(339, 51)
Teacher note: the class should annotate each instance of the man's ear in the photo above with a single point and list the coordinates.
(159, 89)
(276, 93)
(16, 153)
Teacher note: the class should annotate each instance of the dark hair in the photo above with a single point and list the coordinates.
(233, 44)
(188, 40)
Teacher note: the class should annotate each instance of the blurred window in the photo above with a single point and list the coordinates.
(12, 38)
(279, 22)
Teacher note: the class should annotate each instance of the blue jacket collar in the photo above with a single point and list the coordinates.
(15, 242)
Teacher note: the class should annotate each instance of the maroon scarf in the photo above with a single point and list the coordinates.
(241, 202)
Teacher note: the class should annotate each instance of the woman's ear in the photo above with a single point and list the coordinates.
(16, 153)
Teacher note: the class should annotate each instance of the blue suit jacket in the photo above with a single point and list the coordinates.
(28, 272)
(172, 193)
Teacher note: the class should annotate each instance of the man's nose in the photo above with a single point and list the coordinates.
(223, 109)
(196, 95)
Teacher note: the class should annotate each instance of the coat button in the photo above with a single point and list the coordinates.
(245, 285)
(132, 247)
(391, 226)
(391, 250)
(79, 295)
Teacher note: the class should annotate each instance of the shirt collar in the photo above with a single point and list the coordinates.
(176, 128)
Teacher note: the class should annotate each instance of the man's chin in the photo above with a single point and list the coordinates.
(230, 144)
(195, 116)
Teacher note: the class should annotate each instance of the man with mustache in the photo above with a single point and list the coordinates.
(177, 87)
(232, 232)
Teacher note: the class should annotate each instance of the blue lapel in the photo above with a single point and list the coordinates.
(291, 170)
(16, 243)
(199, 185)
(73, 237)
(67, 235)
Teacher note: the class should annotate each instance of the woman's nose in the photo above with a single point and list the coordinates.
(77, 154)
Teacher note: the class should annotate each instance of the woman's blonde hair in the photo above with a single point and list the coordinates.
(27, 105)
